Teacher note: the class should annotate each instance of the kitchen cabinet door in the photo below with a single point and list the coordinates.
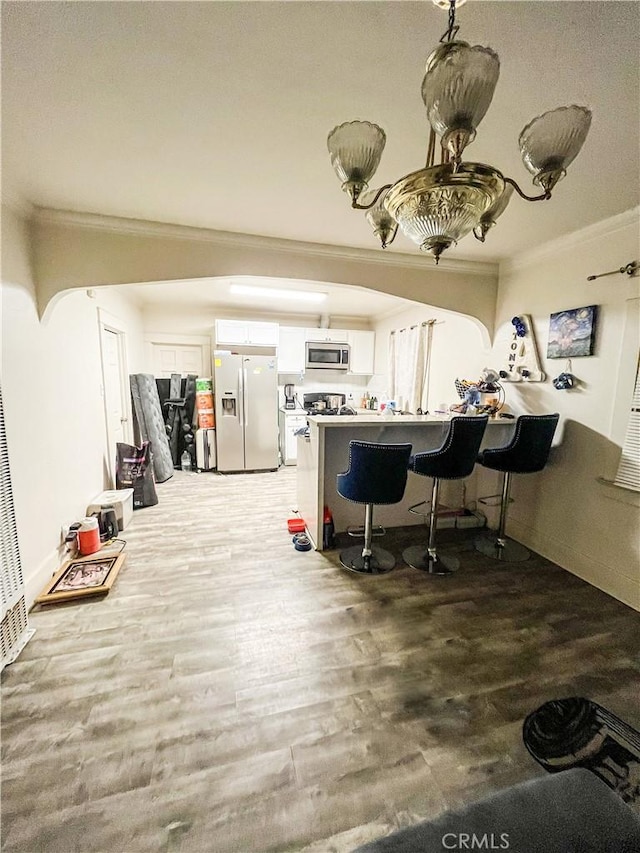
(246, 332)
(231, 332)
(291, 349)
(362, 347)
(338, 336)
(290, 444)
(263, 334)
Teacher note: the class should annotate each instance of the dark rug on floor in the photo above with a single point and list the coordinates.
(577, 732)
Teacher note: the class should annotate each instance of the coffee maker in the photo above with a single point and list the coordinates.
(289, 396)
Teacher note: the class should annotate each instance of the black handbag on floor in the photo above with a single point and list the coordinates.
(134, 471)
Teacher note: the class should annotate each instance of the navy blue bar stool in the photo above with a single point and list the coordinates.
(454, 460)
(526, 453)
(377, 474)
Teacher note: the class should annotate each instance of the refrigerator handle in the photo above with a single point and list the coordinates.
(241, 396)
(245, 397)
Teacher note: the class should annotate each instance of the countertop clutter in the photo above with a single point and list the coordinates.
(364, 417)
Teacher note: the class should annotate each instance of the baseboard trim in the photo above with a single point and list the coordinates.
(35, 583)
(581, 564)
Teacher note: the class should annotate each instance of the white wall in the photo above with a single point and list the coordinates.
(457, 351)
(52, 391)
(564, 512)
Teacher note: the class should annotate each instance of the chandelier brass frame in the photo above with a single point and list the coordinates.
(438, 205)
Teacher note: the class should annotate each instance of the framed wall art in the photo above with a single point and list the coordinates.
(572, 333)
(80, 578)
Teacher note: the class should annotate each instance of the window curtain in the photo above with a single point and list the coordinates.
(409, 366)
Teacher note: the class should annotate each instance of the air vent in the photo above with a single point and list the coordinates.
(14, 629)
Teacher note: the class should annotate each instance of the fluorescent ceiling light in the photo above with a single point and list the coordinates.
(298, 295)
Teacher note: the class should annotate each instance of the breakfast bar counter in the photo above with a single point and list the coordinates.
(325, 453)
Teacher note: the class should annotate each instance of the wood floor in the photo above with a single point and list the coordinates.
(233, 694)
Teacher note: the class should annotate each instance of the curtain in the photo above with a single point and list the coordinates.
(409, 366)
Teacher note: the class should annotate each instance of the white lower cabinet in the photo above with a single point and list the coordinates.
(289, 422)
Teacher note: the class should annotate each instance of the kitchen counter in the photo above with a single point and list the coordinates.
(325, 453)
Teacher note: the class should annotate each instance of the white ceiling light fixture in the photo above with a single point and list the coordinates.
(274, 293)
(440, 204)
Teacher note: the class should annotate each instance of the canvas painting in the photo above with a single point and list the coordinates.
(572, 332)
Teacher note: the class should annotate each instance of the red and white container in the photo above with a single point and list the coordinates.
(88, 536)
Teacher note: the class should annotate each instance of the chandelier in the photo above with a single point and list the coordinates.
(440, 204)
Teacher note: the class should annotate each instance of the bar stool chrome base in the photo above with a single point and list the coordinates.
(379, 563)
(505, 550)
(419, 557)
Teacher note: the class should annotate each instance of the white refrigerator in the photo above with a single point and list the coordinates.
(246, 405)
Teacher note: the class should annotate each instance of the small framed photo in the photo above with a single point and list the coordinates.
(572, 333)
(79, 578)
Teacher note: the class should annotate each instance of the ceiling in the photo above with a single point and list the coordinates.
(341, 300)
(215, 114)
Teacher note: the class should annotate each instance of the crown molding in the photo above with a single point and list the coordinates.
(144, 228)
(597, 231)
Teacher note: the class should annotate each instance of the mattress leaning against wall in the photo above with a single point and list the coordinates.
(149, 423)
(14, 622)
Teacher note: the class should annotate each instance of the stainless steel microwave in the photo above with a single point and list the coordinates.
(327, 355)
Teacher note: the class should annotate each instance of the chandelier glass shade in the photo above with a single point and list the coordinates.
(552, 141)
(457, 90)
(385, 226)
(439, 205)
(355, 148)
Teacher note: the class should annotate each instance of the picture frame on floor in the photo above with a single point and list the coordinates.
(81, 578)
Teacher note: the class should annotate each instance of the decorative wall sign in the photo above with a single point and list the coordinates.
(572, 333)
(522, 363)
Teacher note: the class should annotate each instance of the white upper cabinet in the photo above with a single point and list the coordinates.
(337, 336)
(362, 346)
(248, 333)
(291, 349)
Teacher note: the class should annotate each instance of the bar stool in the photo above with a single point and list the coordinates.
(377, 474)
(454, 460)
(526, 453)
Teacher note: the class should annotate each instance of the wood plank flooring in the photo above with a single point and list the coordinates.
(233, 694)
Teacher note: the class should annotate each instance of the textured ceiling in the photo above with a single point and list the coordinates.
(216, 114)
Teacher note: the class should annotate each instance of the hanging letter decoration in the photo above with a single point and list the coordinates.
(522, 363)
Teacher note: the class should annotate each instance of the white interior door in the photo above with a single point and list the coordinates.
(177, 358)
(114, 377)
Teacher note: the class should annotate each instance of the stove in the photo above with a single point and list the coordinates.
(343, 410)
(332, 402)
